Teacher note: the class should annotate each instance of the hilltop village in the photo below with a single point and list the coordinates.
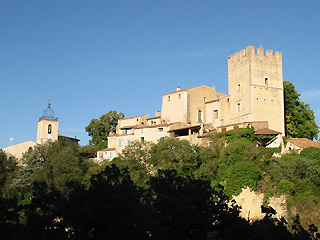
(255, 98)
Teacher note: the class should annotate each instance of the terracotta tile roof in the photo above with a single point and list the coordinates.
(143, 115)
(304, 142)
(266, 131)
(60, 135)
(317, 144)
(153, 117)
(107, 149)
(181, 126)
(144, 126)
(186, 89)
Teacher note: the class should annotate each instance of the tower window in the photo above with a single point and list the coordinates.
(266, 81)
(168, 98)
(215, 114)
(238, 86)
(238, 107)
(200, 116)
(179, 96)
(49, 129)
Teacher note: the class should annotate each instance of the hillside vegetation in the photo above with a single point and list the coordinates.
(168, 190)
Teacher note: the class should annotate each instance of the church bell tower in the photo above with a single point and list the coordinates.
(48, 126)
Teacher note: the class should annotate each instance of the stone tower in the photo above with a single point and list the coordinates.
(48, 126)
(256, 87)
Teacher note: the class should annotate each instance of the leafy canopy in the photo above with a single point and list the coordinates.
(300, 119)
(99, 129)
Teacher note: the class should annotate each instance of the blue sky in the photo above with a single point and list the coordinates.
(89, 57)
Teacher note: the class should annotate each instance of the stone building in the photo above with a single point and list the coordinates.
(298, 144)
(255, 98)
(48, 130)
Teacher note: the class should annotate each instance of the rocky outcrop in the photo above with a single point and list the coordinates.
(251, 202)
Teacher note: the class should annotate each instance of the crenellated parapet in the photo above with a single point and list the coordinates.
(251, 53)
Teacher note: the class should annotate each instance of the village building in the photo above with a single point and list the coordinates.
(48, 130)
(298, 144)
(255, 98)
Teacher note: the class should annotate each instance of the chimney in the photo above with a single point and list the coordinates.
(158, 113)
(178, 88)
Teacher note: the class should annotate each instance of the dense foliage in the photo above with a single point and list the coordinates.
(300, 120)
(168, 190)
(99, 129)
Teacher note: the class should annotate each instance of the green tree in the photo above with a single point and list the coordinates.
(241, 174)
(7, 167)
(172, 153)
(239, 150)
(99, 129)
(136, 158)
(31, 161)
(299, 118)
(247, 133)
(61, 165)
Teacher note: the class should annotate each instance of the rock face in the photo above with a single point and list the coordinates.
(251, 202)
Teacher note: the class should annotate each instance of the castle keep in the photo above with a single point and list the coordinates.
(255, 98)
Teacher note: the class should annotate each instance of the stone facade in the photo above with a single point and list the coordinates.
(255, 98)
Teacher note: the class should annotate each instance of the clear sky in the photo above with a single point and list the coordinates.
(89, 57)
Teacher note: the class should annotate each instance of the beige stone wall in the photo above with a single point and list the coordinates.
(175, 107)
(131, 121)
(225, 111)
(197, 97)
(42, 133)
(292, 147)
(105, 155)
(18, 149)
(140, 133)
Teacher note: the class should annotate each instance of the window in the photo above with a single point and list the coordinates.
(239, 107)
(49, 129)
(200, 116)
(120, 143)
(215, 114)
(142, 139)
(124, 131)
(160, 129)
(238, 86)
(128, 142)
(168, 98)
(142, 130)
(111, 155)
(179, 96)
(132, 130)
(266, 81)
